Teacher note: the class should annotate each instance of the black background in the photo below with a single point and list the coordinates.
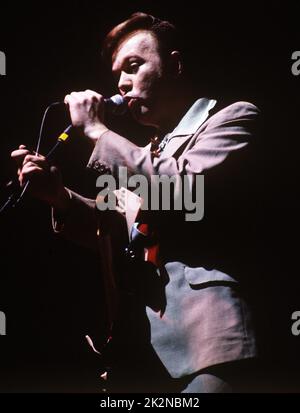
(50, 290)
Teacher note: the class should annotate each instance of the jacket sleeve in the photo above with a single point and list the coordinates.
(79, 224)
(85, 225)
(228, 131)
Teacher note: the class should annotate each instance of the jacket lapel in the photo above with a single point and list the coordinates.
(173, 145)
(188, 126)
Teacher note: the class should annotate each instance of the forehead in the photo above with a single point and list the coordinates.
(141, 43)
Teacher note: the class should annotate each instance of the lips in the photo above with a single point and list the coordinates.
(135, 105)
(133, 102)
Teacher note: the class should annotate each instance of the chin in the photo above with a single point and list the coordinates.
(144, 117)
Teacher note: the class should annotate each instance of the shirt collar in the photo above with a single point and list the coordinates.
(194, 117)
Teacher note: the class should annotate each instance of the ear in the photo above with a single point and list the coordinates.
(176, 63)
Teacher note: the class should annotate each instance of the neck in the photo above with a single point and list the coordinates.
(174, 109)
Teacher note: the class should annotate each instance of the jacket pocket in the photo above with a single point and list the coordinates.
(199, 275)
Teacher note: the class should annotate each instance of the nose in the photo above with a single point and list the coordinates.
(125, 83)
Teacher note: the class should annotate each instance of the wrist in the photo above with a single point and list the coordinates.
(94, 132)
(62, 202)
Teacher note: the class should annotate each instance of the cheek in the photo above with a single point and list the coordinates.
(151, 87)
(149, 78)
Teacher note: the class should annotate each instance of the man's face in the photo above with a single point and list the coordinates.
(138, 68)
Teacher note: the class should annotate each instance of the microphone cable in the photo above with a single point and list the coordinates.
(16, 196)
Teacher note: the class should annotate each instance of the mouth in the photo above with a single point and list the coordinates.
(133, 101)
(137, 105)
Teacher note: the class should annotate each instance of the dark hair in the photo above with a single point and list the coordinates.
(164, 31)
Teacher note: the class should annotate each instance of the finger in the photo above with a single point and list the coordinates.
(19, 152)
(24, 148)
(28, 172)
(38, 159)
(18, 156)
(69, 99)
(90, 92)
(122, 203)
(120, 210)
(30, 167)
(93, 95)
(77, 96)
(76, 99)
(35, 164)
(85, 97)
(121, 195)
(118, 194)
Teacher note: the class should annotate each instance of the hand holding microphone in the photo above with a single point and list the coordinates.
(84, 108)
(87, 111)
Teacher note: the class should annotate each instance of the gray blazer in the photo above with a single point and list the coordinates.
(199, 317)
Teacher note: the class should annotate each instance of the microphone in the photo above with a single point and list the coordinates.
(116, 105)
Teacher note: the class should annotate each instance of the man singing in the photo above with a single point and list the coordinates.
(176, 288)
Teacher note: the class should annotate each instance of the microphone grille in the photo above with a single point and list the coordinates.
(116, 104)
(117, 100)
